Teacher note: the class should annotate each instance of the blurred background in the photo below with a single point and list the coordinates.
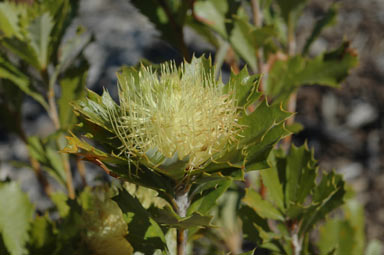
(345, 125)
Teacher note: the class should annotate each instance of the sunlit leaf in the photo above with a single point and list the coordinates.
(39, 34)
(19, 79)
(328, 69)
(263, 207)
(15, 217)
(72, 88)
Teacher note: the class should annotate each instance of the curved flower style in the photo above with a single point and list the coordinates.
(173, 123)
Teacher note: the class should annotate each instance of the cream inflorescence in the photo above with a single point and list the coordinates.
(179, 111)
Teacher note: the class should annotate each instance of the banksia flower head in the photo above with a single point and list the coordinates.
(176, 122)
(180, 114)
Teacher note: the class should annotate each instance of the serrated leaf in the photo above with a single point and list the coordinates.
(39, 35)
(262, 119)
(264, 128)
(258, 151)
(22, 50)
(15, 217)
(93, 109)
(244, 87)
(167, 216)
(206, 195)
(63, 13)
(301, 174)
(328, 195)
(9, 18)
(10, 72)
(145, 234)
(72, 88)
(72, 49)
(327, 69)
(263, 207)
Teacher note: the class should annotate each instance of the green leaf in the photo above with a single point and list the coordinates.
(23, 50)
(215, 12)
(204, 197)
(244, 87)
(339, 235)
(72, 88)
(10, 72)
(63, 13)
(145, 234)
(42, 237)
(69, 229)
(328, 20)
(301, 174)
(345, 235)
(15, 217)
(159, 12)
(60, 200)
(262, 119)
(39, 34)
(93, 109)
(328, 195)
(46, 153)
(72, 49)
(259, 150)
(274, 188)
(328, 69)
(203, 31)
(231, 22)
(290, 9)
(9, 18)
(263, 207)
(253, 225)
(263, 128)
(167, 216)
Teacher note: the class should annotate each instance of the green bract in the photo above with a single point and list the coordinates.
(177, 123)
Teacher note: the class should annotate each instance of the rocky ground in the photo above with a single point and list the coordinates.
(344, 125)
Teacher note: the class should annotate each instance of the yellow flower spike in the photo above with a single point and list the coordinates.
(179, 113)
